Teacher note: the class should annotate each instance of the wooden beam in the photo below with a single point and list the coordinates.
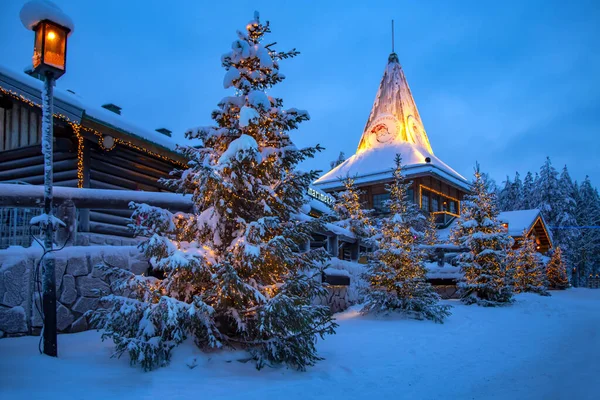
(31, 196)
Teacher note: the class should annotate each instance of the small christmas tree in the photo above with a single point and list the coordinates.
(557, 272)
(485, 281)
(350, 213)
(396, 273)
(528, 271)
(430, 236)
(232, 274)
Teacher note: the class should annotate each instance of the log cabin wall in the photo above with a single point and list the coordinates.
(20, 125)
(21, 158)
(121, 168)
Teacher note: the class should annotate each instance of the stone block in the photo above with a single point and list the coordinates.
(78, 266)
(13, 320)
(36, 317)
(60, 266)
(64, 317)
(84, 304)
(16, 283)
(2, 285)
(87, 286)
(120, 260)
(79, 325)
(139, 267)
(69, 291)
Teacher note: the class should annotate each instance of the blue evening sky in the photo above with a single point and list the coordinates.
(506, 83)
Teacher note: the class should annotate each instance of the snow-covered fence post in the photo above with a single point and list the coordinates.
(51, 27)
(67, 213)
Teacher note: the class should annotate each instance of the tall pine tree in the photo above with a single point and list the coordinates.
(396, 273)
(232, 273)
(586, 253)
(566, 232)
(485, 280)
(548, 194)
(528, 192)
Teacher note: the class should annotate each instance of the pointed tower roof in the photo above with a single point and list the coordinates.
(394, 127)
(394, 116)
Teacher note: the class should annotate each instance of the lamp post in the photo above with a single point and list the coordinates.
(51, 27)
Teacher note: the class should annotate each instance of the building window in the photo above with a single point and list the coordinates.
(380, 202)
(411, 195)
(424, 201)
(435, 203)
(453, 207)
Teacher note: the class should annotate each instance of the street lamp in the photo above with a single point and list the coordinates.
(51, 27)
(50, 49)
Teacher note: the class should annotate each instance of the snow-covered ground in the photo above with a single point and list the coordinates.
(540, 348)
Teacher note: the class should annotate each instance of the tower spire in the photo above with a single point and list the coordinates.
(392, 36)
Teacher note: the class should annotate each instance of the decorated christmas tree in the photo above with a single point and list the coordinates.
(429, 234)
(396, 273)
(556, 271)
(350, 214)
(231, 272)
(485, 280)
(528, 271)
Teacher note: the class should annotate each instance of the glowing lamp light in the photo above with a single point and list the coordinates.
(50, 48)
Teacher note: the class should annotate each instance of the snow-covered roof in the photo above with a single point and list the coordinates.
(378, 163)
(74, 107)
(394, 127)
(519, 221)
(446, 271)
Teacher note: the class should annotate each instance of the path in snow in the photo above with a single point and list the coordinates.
(540, 348)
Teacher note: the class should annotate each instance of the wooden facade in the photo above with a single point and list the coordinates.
(81, 158)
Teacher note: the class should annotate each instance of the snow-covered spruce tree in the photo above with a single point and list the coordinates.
(528, 192)
(350, 214)
(586, 254)
(505, 195)
(548, 193)
(341, 158)
(233, 273)
(485, 281)
(565, 232)
(396, 273)
(527, 269)
(557, 272)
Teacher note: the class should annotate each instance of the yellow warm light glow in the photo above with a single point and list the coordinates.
(51, 35)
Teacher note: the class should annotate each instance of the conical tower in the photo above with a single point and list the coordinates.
(394, 116)
(394, 127)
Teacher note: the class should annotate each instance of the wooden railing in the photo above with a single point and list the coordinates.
(73, 208)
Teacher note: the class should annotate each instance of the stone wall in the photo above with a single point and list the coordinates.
(77, 278)
(336, 298)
